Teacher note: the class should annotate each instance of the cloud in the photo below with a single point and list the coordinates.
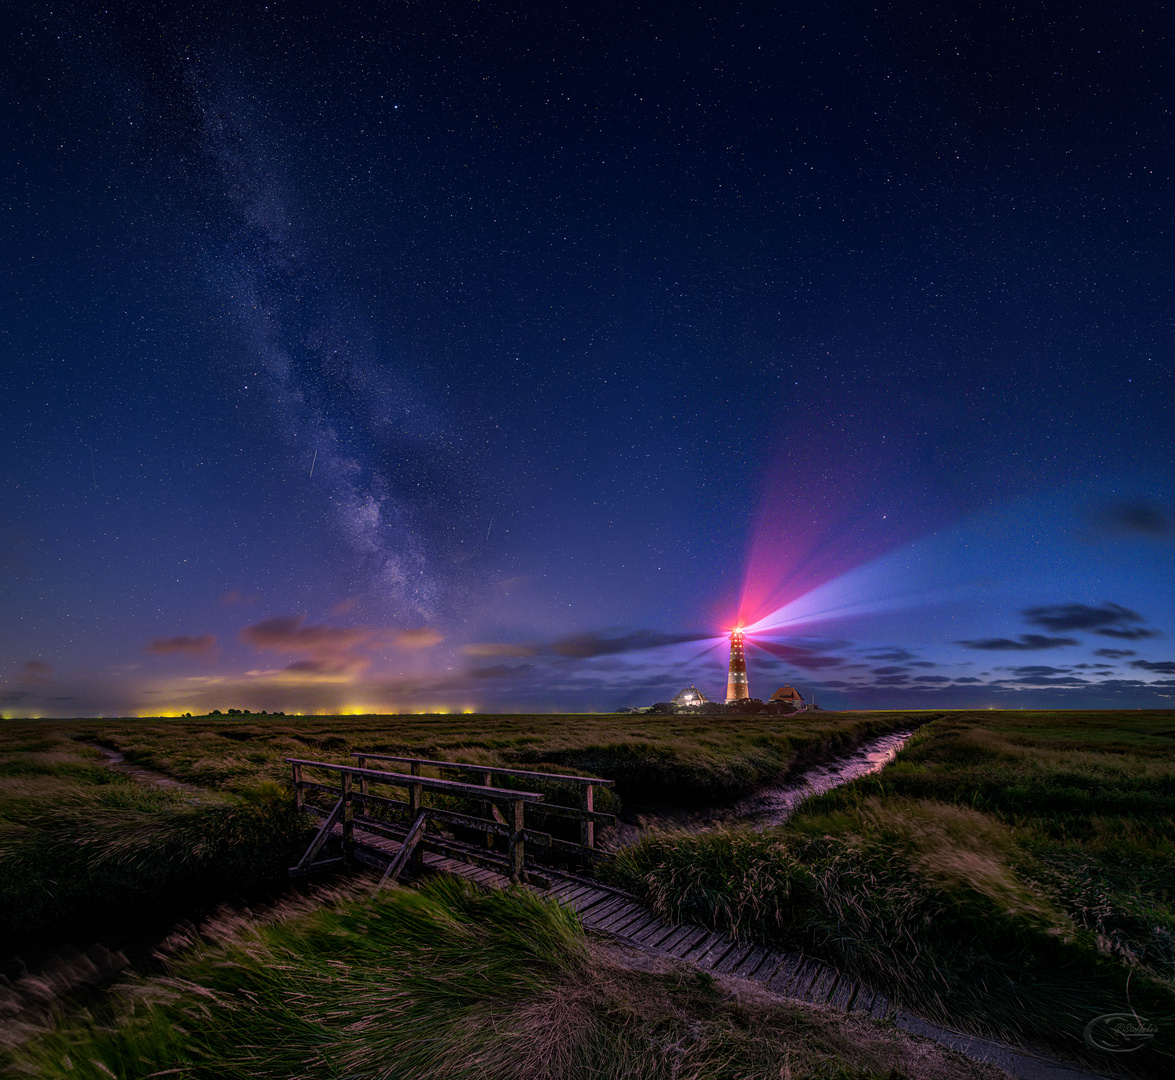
(329, 665)
(1038, 669)
(1027, 643)
(1113, 654)
(892, 655)
(807, 658)
(1136, 519)
(891, 671)
(501, 671)
(933, 679)
(343, 606)
(422, 637)
(1110, 620)
(1164, 667)
(485, 650)
(234, 597)
(601, 643)
(1046, 680)
(1128, 633)
(200, 645)
(36, 670)
(286, 633)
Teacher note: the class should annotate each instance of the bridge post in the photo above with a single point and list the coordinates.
(488, 808)
(587, 829)
(514, 857)
(299, 791)
(362, 785)
(348, 819)
(415, 805)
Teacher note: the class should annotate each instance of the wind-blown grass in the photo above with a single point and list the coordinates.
(1001, 875)
(79, 843)
(450, 982)
(687, 761)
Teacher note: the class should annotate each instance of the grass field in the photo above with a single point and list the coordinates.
(449, 982)
(78, 841)
(1009, 873)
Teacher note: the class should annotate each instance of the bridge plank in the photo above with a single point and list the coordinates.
(630, 915)
(747, 966)
(711, 957)
(599, 907)
(634, 931)
(654, 934)
(598, 914)
(684, 942)
(783, 978)
(733, 958)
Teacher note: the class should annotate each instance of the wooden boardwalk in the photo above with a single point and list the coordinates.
(610, 911)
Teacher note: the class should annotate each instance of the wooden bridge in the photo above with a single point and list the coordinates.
(393, 820)
(417, 829)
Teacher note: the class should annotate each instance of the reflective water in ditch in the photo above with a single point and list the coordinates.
(774, 805)
(768, 806)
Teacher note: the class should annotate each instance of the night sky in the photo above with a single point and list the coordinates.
(451, 356)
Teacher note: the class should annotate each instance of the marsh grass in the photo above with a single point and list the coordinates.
(1008, 873)
(80, 843)
(689, 761)
(451, 982)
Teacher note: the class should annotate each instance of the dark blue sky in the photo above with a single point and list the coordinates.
(456, 356)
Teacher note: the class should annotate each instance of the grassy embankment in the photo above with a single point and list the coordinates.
(1009, 873)
(448, 982)
(79, 842)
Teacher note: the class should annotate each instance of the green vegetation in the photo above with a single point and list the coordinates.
(80, 843)
(690, 761)
(450, 982)
(1008, 873)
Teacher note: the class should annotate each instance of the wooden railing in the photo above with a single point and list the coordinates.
(586, 813)
(354, 799)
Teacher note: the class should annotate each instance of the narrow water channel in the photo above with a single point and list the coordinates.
(767, 806)
(774, 805)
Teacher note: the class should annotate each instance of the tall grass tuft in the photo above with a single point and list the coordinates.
(71, 850)
(919, 900)
(449, 982)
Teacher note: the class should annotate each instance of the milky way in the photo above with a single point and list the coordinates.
(366, 435)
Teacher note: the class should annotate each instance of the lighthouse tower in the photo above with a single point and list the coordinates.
(737, 688)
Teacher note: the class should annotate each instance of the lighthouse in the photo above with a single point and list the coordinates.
(737, 688)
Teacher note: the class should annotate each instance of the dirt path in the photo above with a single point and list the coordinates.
(117, 761)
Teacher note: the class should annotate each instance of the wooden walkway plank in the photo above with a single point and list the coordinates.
(637, 930)
(640, 916)
(620, 917)
(733, 958)
(751, 963)
(651, 936)
(842, 996)
(798, 980)
(595, 900)
(714, 953)
(598, 912)
(696, 937)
